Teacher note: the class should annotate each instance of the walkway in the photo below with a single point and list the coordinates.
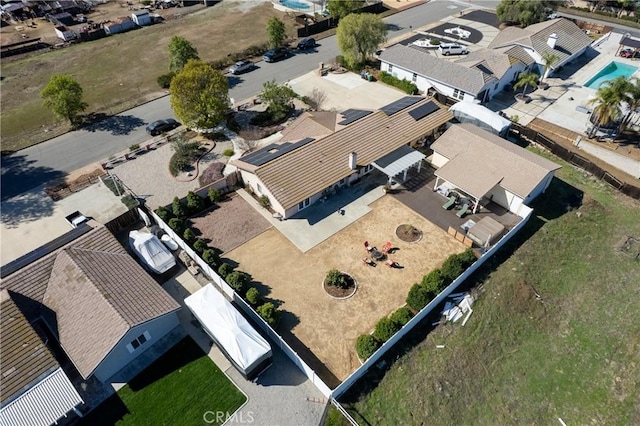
(282, 395)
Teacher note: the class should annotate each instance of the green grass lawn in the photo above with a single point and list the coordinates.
(573, 353)
(176, 390)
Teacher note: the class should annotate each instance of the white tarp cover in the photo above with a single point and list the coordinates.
(468, 112)
(151, 251)
(241, 342)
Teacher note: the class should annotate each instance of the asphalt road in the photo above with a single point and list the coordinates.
(36, 165)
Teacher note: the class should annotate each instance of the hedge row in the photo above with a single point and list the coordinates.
(419, 296)
(404, 85)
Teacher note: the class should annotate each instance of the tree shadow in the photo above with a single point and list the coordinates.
(234, 80)
(117, 125)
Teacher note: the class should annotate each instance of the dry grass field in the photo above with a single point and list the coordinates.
(120, 71)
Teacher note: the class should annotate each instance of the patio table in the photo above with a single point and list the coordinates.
(377, 255)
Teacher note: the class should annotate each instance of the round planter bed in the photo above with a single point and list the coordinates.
(339, 292)
(408, 233)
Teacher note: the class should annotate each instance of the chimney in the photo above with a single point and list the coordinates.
(552, 40)
(353, 161)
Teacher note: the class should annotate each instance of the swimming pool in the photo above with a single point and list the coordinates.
(293, 4)
(611, 71)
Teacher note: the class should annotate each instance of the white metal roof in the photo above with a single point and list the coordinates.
(44, 404)
(398, 161)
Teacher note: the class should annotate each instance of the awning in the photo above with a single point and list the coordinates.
(44, 404)
(398, 161)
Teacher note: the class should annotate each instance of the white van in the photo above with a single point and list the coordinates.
(453, 49)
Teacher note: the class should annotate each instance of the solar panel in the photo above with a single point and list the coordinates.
(400, 104)
(352, 115)
(273, 151)
(423, 110)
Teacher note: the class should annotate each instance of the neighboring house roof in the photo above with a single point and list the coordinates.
(470, 80)
(310, 124)
(493, 62)
(96, 291)
(479, 160)
(43, 404)
(308, 170)
(24, 358)
(571, 39)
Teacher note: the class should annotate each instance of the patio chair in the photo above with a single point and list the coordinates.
(463, 210)
(391, 263)
(367, 246)
(387, 247)
(368, 261)
(449, 204)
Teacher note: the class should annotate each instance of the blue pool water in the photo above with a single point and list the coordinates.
(293, 4)
(611, 71)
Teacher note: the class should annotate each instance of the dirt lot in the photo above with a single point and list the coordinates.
(233, 223)
(120, 71)
(329, 327)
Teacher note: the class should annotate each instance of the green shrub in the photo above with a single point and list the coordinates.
(214, 195)
(336, 278)
(434, 42)
(178, 208)
(467, 258)
(228, 152)
(456, 264)
(224, 270)
(404, 85)
(340, 61)
(200, 245)
(134, 147)
(418, 297)
(238, 280)
(265, 202)
(434, 282)
(253, 296)
(189, 236)
(164, 214)
(385, 329)
(164, 80)
(177, 225)
(366, 345)
(269, 313)
(401, 316)
(195, 203)
(211, 257)
(145, 2)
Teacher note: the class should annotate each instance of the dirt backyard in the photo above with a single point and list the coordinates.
(120, 71)
(312, 320)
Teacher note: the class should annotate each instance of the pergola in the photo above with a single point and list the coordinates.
(628, 41)
(399, 161)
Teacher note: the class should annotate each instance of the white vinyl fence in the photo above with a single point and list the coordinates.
(349, 381)
(226, 289)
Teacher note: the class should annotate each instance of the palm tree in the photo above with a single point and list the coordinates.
(548, 59)
(633, 101)
(608, 102)
(525, 80)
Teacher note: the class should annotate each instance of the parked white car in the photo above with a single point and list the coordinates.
(453, 49)
(153, 254)
(458, 32)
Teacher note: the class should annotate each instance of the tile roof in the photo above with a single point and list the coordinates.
(97, 292)
(495, 62)
(571, 39)
(479, 160)
(304, 172)
(24, 358)
(310, 124)
(470, 80)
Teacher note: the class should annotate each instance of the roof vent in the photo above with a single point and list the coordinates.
(552, 40)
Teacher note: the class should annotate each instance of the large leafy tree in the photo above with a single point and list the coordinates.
(200, 95)
(181, 51)
(341, 8)
(525, 12)
(276, 32)
(277, 97)
(63, 96)
(360, 35)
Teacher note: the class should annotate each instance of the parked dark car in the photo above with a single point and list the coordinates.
(161, 126)
(276, 54)
(628, 53)
(307, 43)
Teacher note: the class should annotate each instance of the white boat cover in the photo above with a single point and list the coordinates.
(468, 112)
(151, 251)
(237, 338)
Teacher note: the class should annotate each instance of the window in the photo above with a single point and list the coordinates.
(303, 204)
(259, 188)
(390, 70)
(458, 94)
(138, 341)
(415, 77)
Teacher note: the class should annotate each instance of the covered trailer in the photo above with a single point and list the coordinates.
(243, 346)
(468, 112)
